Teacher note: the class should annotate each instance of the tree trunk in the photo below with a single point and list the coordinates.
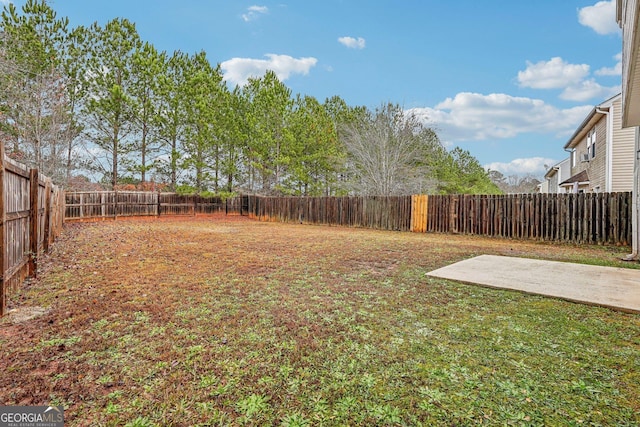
(114, 171)
(143, 154)
(174, 161)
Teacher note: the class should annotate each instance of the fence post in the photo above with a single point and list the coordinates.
(47, 215)
(115, 205)
(453, 214)
(3, 248)
(33, 224)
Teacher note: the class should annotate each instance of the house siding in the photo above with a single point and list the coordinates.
(595, 167)
(564, 173)
(619, 156)
(623, 154)
(553, 183)
(559, 173)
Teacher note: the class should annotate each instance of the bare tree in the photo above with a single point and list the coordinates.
(389, 153)
(33, 88)
(515, 184)
(37, 119)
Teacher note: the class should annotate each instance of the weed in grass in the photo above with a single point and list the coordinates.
(105, 380)
(141, 422)
(61, 342)
(115, 395)
(208, 381)
(112, 408)
(100, 324)
(344, 406)
(295, 420)
(221, 390)
(385, 414)
(157, 330)
(266, 381)
(141, 317)
(253, 407)
(368, 381)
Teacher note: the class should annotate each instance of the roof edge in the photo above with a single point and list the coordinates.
(594, 112)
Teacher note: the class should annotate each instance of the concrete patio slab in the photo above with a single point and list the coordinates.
(616, 288)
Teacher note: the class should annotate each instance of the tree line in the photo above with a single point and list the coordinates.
(100, 102)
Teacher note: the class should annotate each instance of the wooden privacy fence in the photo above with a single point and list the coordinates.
(594, 218)
(385, 213)
(92, 205)
(31, 217)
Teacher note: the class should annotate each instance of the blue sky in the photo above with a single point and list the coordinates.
(507, 80)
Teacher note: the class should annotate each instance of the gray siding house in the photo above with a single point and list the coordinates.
(602, 152)
(558, 173)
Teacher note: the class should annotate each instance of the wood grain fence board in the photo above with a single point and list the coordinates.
(31, 216)
(16, 225)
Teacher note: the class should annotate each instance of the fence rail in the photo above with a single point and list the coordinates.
(31, 217)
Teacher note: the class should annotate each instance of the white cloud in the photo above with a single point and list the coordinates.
(601, 17)
(616, 70)
(253, 12)
(572, 78)
(474, 116)
(589, 89)
(552, 74)
(237, 71)
(532, 165)
(352, 42)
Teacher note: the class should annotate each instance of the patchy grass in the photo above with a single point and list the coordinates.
(234, 322)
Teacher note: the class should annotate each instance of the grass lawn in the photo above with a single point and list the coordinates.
(228, 321)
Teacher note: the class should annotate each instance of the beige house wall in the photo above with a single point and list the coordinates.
(612, 163)
(623, 152)
(595, 167)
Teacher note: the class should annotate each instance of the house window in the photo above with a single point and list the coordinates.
(591, 143)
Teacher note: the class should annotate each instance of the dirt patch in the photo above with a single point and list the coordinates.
(23, 314)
